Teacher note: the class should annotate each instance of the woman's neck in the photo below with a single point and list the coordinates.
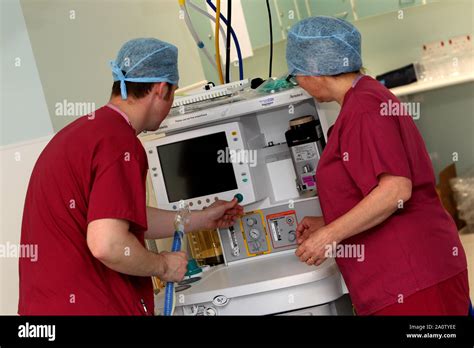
(341, 85)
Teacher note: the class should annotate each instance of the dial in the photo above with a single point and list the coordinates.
(254, 233)
(292, 236)
(251, 221)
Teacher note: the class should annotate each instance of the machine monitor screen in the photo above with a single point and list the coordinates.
(191, 167)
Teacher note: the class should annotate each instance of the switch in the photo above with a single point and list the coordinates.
(276, 231)
(235, 251)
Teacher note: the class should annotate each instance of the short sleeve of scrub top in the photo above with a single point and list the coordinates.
(372, 147)
(119, 192)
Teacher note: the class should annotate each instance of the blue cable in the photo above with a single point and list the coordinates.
(169, 290)
(234, 37)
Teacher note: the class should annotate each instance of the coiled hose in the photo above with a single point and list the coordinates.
(179, 222)
(170, 297)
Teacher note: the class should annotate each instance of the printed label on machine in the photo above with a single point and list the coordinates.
(305, 152)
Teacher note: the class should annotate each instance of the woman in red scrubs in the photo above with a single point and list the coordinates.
(397, 248)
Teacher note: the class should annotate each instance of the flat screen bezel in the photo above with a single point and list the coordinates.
(166, 177)
(242, 171)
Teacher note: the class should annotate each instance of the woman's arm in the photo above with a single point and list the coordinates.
(375, 208)
(372, 210)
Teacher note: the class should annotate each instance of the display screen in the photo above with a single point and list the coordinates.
(191, 167)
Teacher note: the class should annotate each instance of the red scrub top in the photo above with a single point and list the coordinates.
(415, 248)
(92, 169)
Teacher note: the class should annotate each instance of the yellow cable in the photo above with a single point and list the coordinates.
(216, 38)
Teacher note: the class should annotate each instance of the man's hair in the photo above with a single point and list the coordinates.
(138, 89)
(135, 89)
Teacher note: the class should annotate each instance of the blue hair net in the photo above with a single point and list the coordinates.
(323, 46)
(145, 60)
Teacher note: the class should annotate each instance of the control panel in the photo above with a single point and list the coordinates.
(282, 227)
(265, 231)
(254, 232)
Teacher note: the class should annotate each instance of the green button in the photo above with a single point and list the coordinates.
(245, 180)
(239, 197)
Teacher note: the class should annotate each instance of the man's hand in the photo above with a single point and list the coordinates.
(220, 214)
(314, 249)
(174, 266)
(307, 226)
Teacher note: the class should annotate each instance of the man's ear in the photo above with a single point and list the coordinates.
(162, 90)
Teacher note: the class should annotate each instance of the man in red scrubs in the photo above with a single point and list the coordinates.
(86, 202)
(376, 187)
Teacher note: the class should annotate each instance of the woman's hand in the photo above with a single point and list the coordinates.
(220, 214)
(315, 249)
(307, 226)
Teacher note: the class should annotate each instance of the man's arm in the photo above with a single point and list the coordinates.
(161, 222)
(221, 214)
(111, 242)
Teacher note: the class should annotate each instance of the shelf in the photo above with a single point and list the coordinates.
(423, 86)
(251, 103)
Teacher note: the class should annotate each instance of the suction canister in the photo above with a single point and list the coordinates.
(306, 142)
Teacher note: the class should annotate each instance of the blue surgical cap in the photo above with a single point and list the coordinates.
(323, 46)
(145, 60)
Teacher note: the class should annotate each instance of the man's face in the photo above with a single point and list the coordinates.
(160, 105)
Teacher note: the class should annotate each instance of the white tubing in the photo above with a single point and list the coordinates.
(280, 23)
(194, 86)
(204, 13)
(195, 36)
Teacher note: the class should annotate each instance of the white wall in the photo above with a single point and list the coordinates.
(17, 162)
(23, 115)
(74, 40)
